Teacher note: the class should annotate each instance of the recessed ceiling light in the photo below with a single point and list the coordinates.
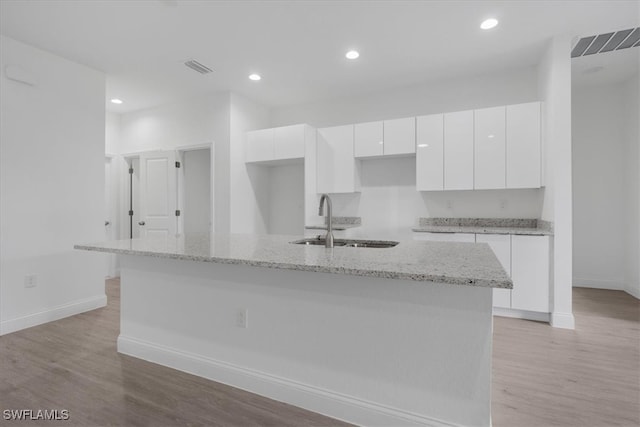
(423, 145)
(487, 24)
(255, 77)
(352, 54)
(116, 101)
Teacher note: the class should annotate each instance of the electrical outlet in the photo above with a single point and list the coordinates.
(30, 281)
(450, 205)
(242, 318)
(503, 204)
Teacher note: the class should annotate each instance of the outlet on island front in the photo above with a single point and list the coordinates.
(242, 318)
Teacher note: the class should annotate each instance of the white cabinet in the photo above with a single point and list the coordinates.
(260, 145)
(288, 142)
(458, 151)
(400, 136)
(368, 139)
(430, 152)
(489, 143)
(501, 245)
(391, 137)
(524, 149)
(275, 144)
(445, 237)
(530, 273)
(336, 166)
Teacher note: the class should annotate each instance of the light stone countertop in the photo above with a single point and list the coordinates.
(530, 227)
(472, 264)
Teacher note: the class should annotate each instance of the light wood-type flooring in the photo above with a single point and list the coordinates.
(542, 376)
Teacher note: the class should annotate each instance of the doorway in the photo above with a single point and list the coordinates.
(194, 190)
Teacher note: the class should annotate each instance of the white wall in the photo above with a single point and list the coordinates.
(554, 73)
(286, 199)
(189, 122)
(52, 145)
(112, 133)
(401, 205)
(197, 190)
(249, 201)
(600, 185)
(632, 184)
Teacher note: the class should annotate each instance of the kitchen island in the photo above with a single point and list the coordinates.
(393, 336)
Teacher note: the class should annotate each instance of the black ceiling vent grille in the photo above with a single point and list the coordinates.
(195, 65)
(607, 42)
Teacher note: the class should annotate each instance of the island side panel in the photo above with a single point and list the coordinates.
(367, 350)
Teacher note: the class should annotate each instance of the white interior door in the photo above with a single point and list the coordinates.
(109, 215)
(158, 196)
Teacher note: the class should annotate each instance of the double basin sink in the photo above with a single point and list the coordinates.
(347, 243)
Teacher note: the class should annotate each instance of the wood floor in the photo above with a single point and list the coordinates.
(542, 376)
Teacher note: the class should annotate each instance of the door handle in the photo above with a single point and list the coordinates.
(141, 222)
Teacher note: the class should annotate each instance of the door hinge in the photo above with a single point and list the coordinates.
(178, 164)
(130, 171)
(178, 212)
(130, 213)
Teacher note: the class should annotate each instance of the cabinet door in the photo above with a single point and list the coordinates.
(259, 145)
(368, 139)
(458, 151)
(400, 136)
(501, 245)
(524, 153)
(530, 273)
(430, 153)
(289, 142)
(336, 169)
(445, 237)
(489, 148)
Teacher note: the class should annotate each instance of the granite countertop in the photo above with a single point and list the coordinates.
(472, 264)
(531, 227)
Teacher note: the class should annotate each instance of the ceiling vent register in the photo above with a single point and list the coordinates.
(607, 42)
(196, 66)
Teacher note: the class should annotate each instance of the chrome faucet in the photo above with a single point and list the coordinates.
(328, 240)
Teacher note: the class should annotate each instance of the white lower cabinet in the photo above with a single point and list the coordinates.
(530, 273)
(524, 258)
(446, 237)
(501, 245)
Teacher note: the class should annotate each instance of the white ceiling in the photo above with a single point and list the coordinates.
(297, 46)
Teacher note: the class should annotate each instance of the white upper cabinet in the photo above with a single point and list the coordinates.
(260, 145)
(489, 143)
(289, 142)
(430, 153)
(274, 144)
(530, 273)
(458, 151)
(400, 136)
(336, 165)
(524, 150)
(369, 139)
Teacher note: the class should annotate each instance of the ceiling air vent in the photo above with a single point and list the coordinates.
(607, 42)
(195, 65)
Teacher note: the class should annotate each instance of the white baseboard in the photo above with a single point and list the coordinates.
(56, 313)
(521, 314)
(598, 284)
(563, 320)
(634, 292)
(326, 402)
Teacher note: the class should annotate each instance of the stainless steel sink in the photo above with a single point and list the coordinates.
(347, 243)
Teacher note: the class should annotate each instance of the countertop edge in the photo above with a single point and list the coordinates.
(483, 230)
(463, 281)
